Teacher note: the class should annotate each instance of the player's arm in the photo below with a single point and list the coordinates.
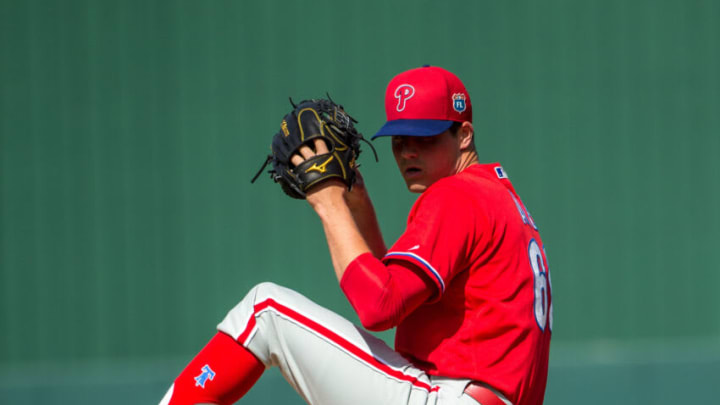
(384, 294)
(363, 212)
(348, 218)
(345, 241)
(381, 295)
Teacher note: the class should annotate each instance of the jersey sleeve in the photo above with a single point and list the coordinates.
(440, 234)
(381, 295)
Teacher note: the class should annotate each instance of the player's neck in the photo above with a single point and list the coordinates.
(467, 159)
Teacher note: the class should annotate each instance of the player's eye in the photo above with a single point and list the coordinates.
(425, 140)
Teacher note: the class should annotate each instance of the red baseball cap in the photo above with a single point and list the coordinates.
(424, 101)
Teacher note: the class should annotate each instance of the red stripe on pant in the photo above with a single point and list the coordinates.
(342, 343)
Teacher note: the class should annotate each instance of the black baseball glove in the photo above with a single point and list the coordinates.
(308, 121)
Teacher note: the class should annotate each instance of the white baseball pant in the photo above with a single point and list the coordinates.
(327, 359)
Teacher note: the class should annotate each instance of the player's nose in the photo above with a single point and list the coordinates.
(405, 147)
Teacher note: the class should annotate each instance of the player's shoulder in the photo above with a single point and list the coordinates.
(475, 180)
(480, 188)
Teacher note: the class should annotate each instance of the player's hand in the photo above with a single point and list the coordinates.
(307, 152)
(328, 189)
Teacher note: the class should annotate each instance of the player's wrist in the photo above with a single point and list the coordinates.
(327, 194)
(357, 198)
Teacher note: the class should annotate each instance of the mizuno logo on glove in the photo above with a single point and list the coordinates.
(320, 168)
(313, 120)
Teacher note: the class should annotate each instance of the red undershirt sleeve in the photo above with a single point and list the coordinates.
(383, 295)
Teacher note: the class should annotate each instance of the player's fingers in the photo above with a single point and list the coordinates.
(296, 160)
(306, 152)
(321, 146)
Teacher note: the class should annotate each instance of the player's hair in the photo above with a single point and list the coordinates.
(454, 127)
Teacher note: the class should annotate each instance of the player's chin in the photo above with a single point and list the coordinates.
(416, 180)
(415, 186)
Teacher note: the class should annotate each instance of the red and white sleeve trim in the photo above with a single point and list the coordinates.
(420, 262)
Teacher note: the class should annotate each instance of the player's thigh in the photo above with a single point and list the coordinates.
(325, 357)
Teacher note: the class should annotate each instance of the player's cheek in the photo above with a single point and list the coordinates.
(396, 155)
(396, 149)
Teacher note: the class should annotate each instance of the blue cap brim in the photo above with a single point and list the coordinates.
(413, 128)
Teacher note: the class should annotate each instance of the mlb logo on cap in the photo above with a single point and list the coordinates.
(424, 102)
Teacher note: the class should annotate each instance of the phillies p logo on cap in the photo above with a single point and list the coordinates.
(403, 93)
(424, 101)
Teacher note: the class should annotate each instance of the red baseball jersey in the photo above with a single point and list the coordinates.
(491, 318)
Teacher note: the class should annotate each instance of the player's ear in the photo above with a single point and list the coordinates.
(465, 135)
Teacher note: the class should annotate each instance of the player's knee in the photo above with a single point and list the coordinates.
(236, 320)
(265, 289)
(268, 290)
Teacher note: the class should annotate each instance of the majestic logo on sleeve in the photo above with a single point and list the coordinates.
(403, 93)
(459, 102)
(207, 374)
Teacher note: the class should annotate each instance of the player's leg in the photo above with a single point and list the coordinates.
(325, 358)
(322, 355)
(221, 373)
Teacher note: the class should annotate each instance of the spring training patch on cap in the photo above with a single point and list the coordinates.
(459, 102)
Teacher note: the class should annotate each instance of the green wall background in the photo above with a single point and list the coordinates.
(129, 131)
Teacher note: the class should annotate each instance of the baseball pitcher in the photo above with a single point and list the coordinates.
(466, 285)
